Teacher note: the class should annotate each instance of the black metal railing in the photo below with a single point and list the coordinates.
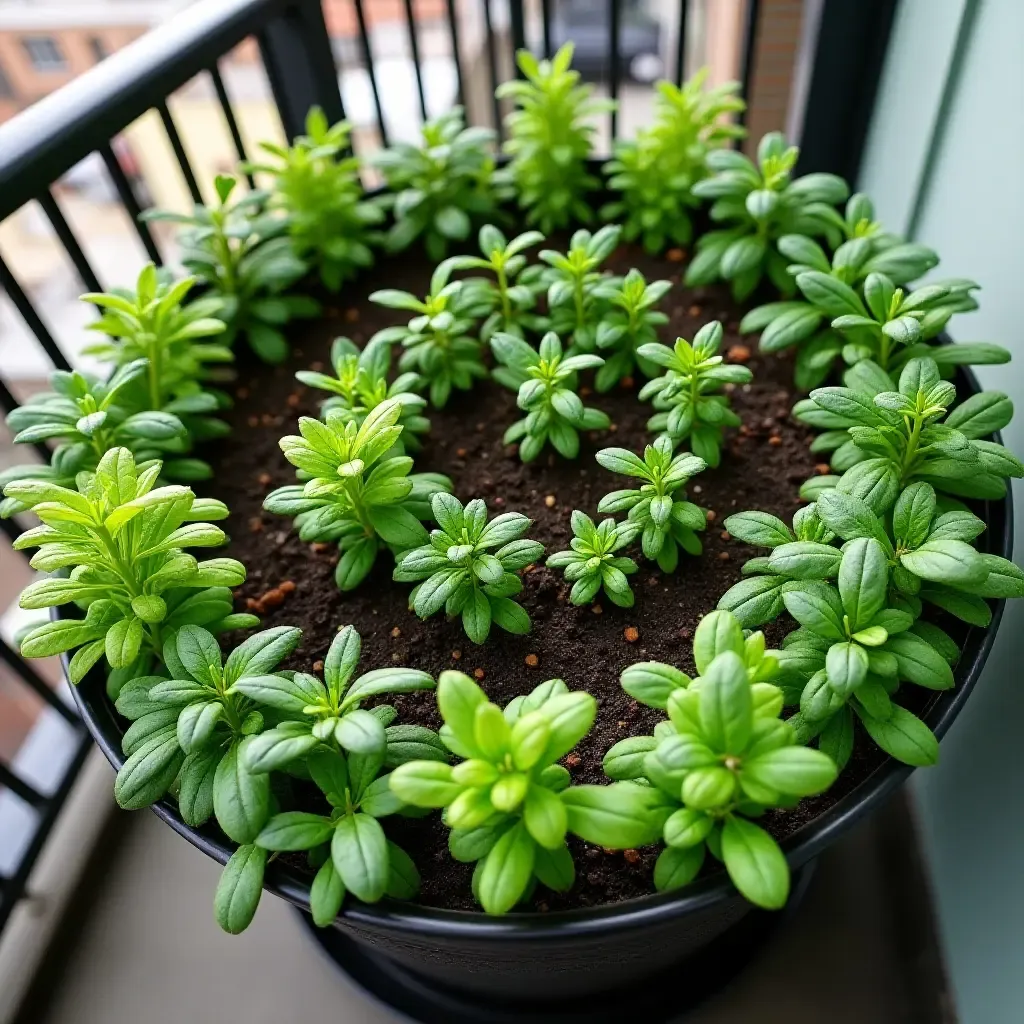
(42, 144)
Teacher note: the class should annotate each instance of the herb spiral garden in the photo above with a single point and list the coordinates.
(565, 565)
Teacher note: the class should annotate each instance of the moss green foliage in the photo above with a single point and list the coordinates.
(122, 538)
(440, 341)
(722, 758)
(316, 187)
(545, 382)
(357, 490)
(550, 136)
(656, 171)
(246, 260)
(689, 406)
(758, 203)
(592, 563)
(667, 521)
(360, 384)
(508, 802)
(469, 567)
(440, 189)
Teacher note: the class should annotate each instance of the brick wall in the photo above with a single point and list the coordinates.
(775, 53)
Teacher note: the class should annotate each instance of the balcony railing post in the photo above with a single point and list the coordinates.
(297, 54)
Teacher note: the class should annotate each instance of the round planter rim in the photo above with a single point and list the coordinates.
(627, 915)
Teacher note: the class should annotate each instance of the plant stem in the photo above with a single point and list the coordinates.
(506, 307)
(912, 444)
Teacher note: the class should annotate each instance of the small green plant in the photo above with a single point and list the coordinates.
(550, 140)
(545, 381)
(630, 324)
(508, 803)
(86, 416)
(760, 203)
(348, 847)
(196, 726)
(656, 171)
(659, 508)
(874, 320)
(512, 303)
(246, 260)
(460, 572)
(439, 340)
(592, 562)
(896, 437)
(181, 340)
(355, 492)
(578, 293)
(122, 537)
(723, 757)
(316, 715)
(360, 384)
(688, 408)
(441, 187)
(316, 188)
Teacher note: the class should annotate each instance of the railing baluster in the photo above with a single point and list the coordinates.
(545, 21)
(747, 55)
(517, 22)
(364, 36)
(31, 317)
(179, 152)
(414, 49)
(684, 9)
(20, 788)
(35, 682)
(613, 68)
(229, 117)
(67, 238)
(453, 30)
(130, 202)
(492, 61)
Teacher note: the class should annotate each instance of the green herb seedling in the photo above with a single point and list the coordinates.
(592, 563)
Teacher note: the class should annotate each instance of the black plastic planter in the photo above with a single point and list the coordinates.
(456, 965)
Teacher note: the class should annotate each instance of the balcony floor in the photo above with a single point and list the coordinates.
(860, 948)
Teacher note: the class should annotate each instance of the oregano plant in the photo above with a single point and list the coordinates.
(591, 563)
(469, 567)
(690, 407)
(357, 492)
(631, 323)
(545, 382)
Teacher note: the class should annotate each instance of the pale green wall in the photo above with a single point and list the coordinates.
(970, 159)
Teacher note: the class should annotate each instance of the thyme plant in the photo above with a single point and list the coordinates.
(546, 384)
(459, 571)
(759, 203)
(723, 758)
(441, 187)
(440, 340)
(122, 538)
(317, 190)
(631, 323)
(246, 260)
(360, 384)
(512, 302)
(658, 507)
(355, 492)
(508, 802)
(655, 172)
(688, 407)
(591, 563)
(549, 140)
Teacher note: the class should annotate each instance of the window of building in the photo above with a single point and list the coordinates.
(6, 89)
(99, 49)
(44, 53)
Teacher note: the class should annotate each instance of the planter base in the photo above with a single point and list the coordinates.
(660, 999)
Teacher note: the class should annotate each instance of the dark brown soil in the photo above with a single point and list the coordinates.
(763, 465)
